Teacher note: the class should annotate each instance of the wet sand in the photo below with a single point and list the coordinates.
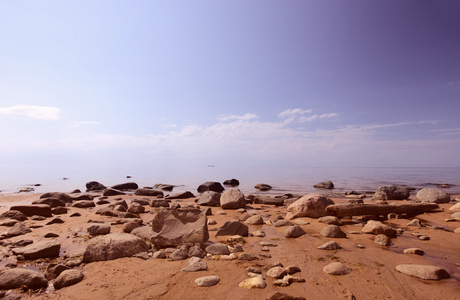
(373, 273)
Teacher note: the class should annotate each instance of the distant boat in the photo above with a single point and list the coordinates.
(210, 166)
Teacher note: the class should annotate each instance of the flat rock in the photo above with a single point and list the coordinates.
(113, 246)
(126, 186)
(423, 271)
(18, 277)
(207, 281)
(336, 268)
(41, 249)
(324, 185)
(149, 192)
(331, 245)
(311, 205)
(331, 220)
(455, 208)
(182, 195)
(68, 278)
(34, 209)
(58, 195)
(196, 264)
(377, 227)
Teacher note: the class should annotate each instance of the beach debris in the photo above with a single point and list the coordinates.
(324, 185)
(336, 268)
(294, 232)
(431, 195)
(232, 198)
(207, 281)
(377, 227)
(311, 205)
(210, 186)
(391, 192)
(18, 277)
(333, 231)
(348, 210)
(41, 249)
(68, 278)
(427, 272)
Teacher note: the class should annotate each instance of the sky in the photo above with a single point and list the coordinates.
(141, 84)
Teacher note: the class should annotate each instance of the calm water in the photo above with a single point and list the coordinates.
(293, 180)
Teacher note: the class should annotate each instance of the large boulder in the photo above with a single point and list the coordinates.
(112, 192)
(324, 185)
(232, 199)
(173, 227)
(423, 271)
(42, 249)
(113, 246)
(311, 205)
(233, 227)
(18, 277)
(391, 192)
(13, 214)
(58, 195)
(53, 202)
(43, 210)
(148, 192)
(232, 182)
(209, 198)
(95, 186)
(431, 195)
(210, 186)
(126, 186)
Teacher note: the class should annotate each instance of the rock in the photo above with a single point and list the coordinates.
(209, 198)
(282, 223)
(253, 283)
(53, 202)
(263, 187)
(142, 202)
(84, 204)
(149, 192)
(33, 209)
(324, 185)
(68, 278)
(382, 240)
(294, 232)
(51, 235)
(159, 203)
(18, 229)
(331, 245)
(414, 223)
(311, 205)
(8, 222)
(275, 295)
(136, 209)
(113, 246)
(58, 195)
(83, 197)
(457, 230)
(456, 216)
(247, 256)
(333, 231)
(196, 251)
(18, 277)
(56, 220)
(172, 227)
(455, 208)
(431, 195)
(423, 271)
(255, 220)
(217, 249)
(13, 214)
(210, 186)
(276, 272)
(232, 182)
(179, 254)
(183, 195)
(377, 227)
(232, 199)
(336, 268)
(98, 229)
(259, 233)
(159, 255)
(41, 249)
(196, 264)
(233, 227)
(126, 186)
(269, 201)
(391, 192)
(164, 187)
(94, 186)
(112, 192)
(75, 191)
(207, 281)
(130, 226)
(416, 251)
(331, 220)
(443, 186)
(59, 210)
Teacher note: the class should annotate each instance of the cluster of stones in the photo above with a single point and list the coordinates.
(180, 233)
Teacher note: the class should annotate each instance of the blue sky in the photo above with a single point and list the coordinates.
(233, 83)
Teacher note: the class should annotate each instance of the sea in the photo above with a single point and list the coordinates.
(283, 180)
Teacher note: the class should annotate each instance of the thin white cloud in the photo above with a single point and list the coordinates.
(170, 125)
(297, 115)
(78, 124)
(36, 112)
(294, 112)
(447, 131)
(244, 117)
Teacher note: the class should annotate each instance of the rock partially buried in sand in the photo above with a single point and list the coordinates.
(331, 245)
(207, 281)
(18, 277)
(311, 205)
(336, 268)
(113, 246)
(431, 195)
(68, 278)
(275, 295)
(423, 271)
(253, 283)
(42, 249)
(233, 227)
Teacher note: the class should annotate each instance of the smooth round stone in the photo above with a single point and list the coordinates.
(336, 268)
(253, 283)
(423, 271)
(331, 245)
(207, 281)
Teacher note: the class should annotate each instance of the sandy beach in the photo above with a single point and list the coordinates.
(372, 276)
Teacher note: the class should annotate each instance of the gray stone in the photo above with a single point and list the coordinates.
(179, 254)
(416, 251)
(159, 254)
(232, 198)
(311, 205)
(294, 232)
(18, 277)
(423, 271)
(391, 192)
(207, 281)
(275, 295)
(333, 231)
(431, 195)
(113, 246)
(41, 249)
(209, 198)
(336, 268)
(196, 264)
(68, 278)
(217, 249)
(13, 214)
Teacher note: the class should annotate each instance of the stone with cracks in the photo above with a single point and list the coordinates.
(232, 199)
(311, 205)
(113, 246)
(423, 271)
(172, 227)
(18, 277)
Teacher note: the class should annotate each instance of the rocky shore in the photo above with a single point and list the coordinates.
(127, 242)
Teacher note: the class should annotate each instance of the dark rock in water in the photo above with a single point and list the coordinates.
(34, 209)
(233, 227)
(53, 202)
(232, 182)
(164, 187)
(42, 249)
(83, 197)
(174, 227)
(263, 187)
(13, 214)
(391, 192)
(113, 246)
(183, 195)
(61, 196)
(209, 198)
(112, 192)
(19, 277)
(324, 185)
(232, 199)
(430, 195)
(95, 186)
(68, 278)
(126, 186)
(210, 186)
(148, 192)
